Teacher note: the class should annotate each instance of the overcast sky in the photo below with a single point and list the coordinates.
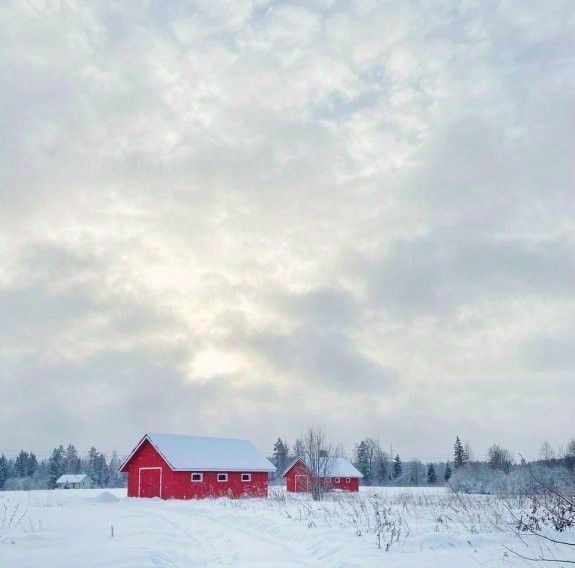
(243, 218)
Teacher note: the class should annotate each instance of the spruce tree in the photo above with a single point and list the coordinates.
(397, 467)
(280, 456)
(447, 474)
(458, 454)
(56, 466)
(114, 475)
(380, 469)
(4, 470)
(363, 462)
(21, 464)
(431, 476)
(92, 466)
(72, 460)
(32, 464)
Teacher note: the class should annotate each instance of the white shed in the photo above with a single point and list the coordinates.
(74, 481)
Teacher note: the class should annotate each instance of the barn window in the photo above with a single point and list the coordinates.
(197, 477)
(347, 479)
(337, 480)
(223, 477)
(246, 476)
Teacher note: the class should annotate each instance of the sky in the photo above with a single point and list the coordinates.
(244, 218)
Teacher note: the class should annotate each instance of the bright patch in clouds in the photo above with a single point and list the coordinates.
(211, 362)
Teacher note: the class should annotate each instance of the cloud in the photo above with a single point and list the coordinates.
(437, 273)
(328, 360)
(369, 201)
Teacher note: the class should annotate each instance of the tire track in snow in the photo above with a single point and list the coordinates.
(223, 542)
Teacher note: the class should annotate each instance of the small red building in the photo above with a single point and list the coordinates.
(171, 466)
(339, 474)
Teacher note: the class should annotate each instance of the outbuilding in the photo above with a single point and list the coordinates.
(338, 474)
(74, 481)
(172, 466)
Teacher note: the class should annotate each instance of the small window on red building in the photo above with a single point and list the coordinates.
(246, 476)
(222, 477)
(197, 477)
(347, 479)
(337, 480)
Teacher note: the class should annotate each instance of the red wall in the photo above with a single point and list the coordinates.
(351, 485)
(300, 469)
(178, 484)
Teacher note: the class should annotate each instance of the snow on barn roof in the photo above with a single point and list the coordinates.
(69, 478)
(337, 467)
(199, 453)
(340, 467)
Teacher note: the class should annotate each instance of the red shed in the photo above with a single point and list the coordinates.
(339, 474)
(171, 466)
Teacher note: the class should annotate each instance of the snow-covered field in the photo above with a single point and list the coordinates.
(414, 527)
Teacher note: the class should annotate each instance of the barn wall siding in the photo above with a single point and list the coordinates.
(179, 485)
(297, 469)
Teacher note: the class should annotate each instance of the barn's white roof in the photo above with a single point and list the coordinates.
(199, 453)
(69, 478)
(340, 467)
(337, 467)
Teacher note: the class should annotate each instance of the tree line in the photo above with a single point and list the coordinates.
(463, 471)
(27, 472)
(499, 470)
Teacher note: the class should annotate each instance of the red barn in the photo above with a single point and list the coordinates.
(339, 474)
(170, 466)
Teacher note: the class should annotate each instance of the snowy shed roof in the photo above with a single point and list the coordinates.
(337, 467)
(340, 467)
(69, 478)
(200, 453)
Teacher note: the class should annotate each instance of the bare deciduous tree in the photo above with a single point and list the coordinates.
(317, 453)
(550, 509)
(546, 452)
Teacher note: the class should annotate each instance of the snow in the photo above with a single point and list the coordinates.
(340, 467)
(69, 478)
(199, 453)
(106, 497)
(426, 527)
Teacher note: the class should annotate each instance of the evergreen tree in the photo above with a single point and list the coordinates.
(104, 471)
(56, 466)
(280, 456)
(4, 470)
(447, 474)
(431, 476)
(364, 460)
(397, 467)
(21, 464)
(459, 457)
(115, 477)
(98, 468)
(381, 467)
(73, 463)
(32, 464)
(92, 466)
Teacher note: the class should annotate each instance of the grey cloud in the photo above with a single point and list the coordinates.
(322, 307)
(330, 360)
(550, 352)
(68, 400)
(438, 273)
